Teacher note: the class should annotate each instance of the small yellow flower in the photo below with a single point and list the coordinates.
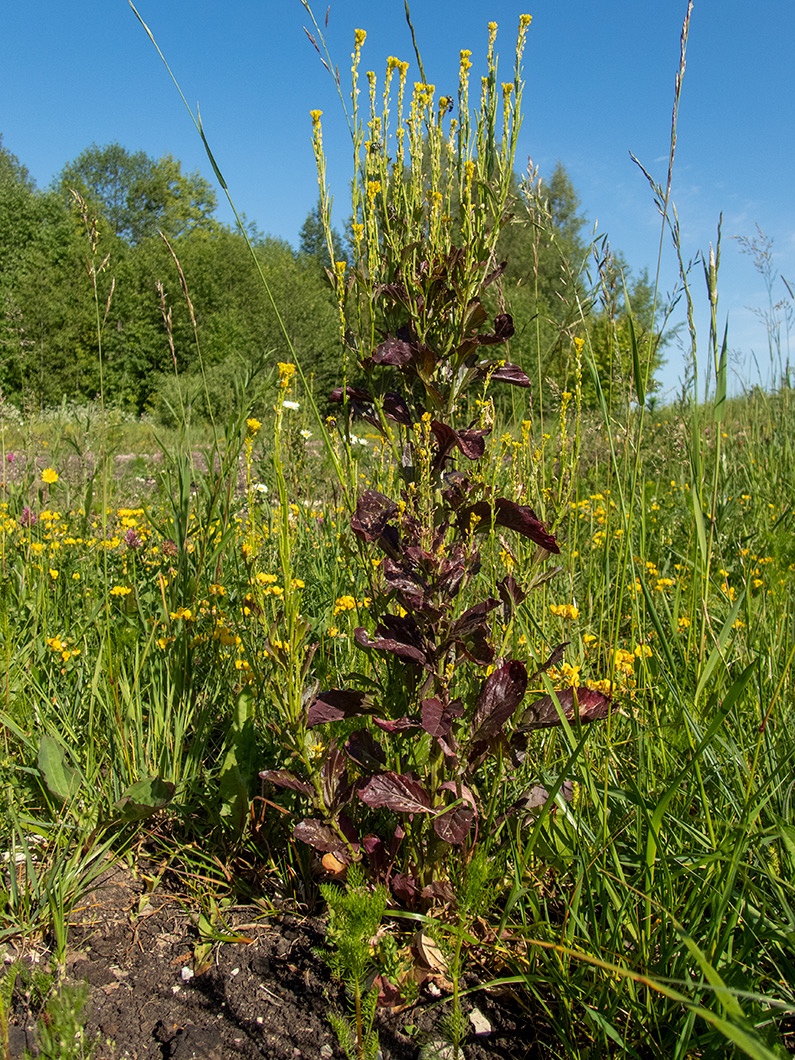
(286, 373)
(50, 476)
(344, 603)
(54, 573)
(252, 426)
(567, 611)
(120, 590)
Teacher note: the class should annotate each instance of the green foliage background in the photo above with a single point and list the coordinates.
(48, 330)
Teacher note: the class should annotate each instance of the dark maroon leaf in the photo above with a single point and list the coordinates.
(514, 516)
(393, 351)
(553, 660)
(364, 750)
(452, 570)
(401, 793)
(473, 619)
(436, 718)
(336, 788)
(395, 408)
(403, 577)
(353, 393)
(338, 703)
(318, 835)
(375, 852)
(396, 724)
(283, 778)
(438, 889)
(373, 512)
(472, 443)
(404, 887)
(495, 273)
(503, 330)
(502, 693)
(454, 826)
(477, 648)
(404, 651)
(511, 593)
(586, 703)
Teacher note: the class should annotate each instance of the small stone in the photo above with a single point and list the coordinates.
(326, 1050)
(235, 971)
(186, 974)
(480, 1024)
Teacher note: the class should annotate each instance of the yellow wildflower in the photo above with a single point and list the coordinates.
(49, 475)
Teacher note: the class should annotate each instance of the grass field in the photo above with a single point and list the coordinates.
(650, 908)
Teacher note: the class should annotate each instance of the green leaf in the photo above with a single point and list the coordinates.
(145, 797)
(717, 652)
(238, 764)
(61, 779)
(719, 407)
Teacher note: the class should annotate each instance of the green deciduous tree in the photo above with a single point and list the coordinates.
(138, 195)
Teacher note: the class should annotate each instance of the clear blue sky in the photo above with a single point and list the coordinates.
(600, 80)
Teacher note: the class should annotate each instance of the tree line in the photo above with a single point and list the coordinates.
(135, 243)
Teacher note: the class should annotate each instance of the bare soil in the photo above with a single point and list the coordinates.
(267, 995)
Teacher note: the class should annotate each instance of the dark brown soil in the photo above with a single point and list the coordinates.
(268, 996)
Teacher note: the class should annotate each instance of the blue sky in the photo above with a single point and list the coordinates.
(599, 83)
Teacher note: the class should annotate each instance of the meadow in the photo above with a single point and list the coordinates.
(508, 673)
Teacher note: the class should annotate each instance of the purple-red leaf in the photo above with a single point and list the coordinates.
(395, 408)
(439, 890)
(396, 724)
(553, 660)
(356, 396)
(585, 703)
(338, 703)
(399, 792)
(511, 593)
(503, 330)
(318, 835)
(283, 778)
(454, 825)
(501, 695)
(436, 719)
(514, 516)
(336, 787)
(393, 351)
(472, 443)
(364, 750)
(373, 512)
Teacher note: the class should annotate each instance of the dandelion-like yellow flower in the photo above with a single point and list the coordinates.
(49, 475)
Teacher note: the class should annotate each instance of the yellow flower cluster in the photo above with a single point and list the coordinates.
(348, 603)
